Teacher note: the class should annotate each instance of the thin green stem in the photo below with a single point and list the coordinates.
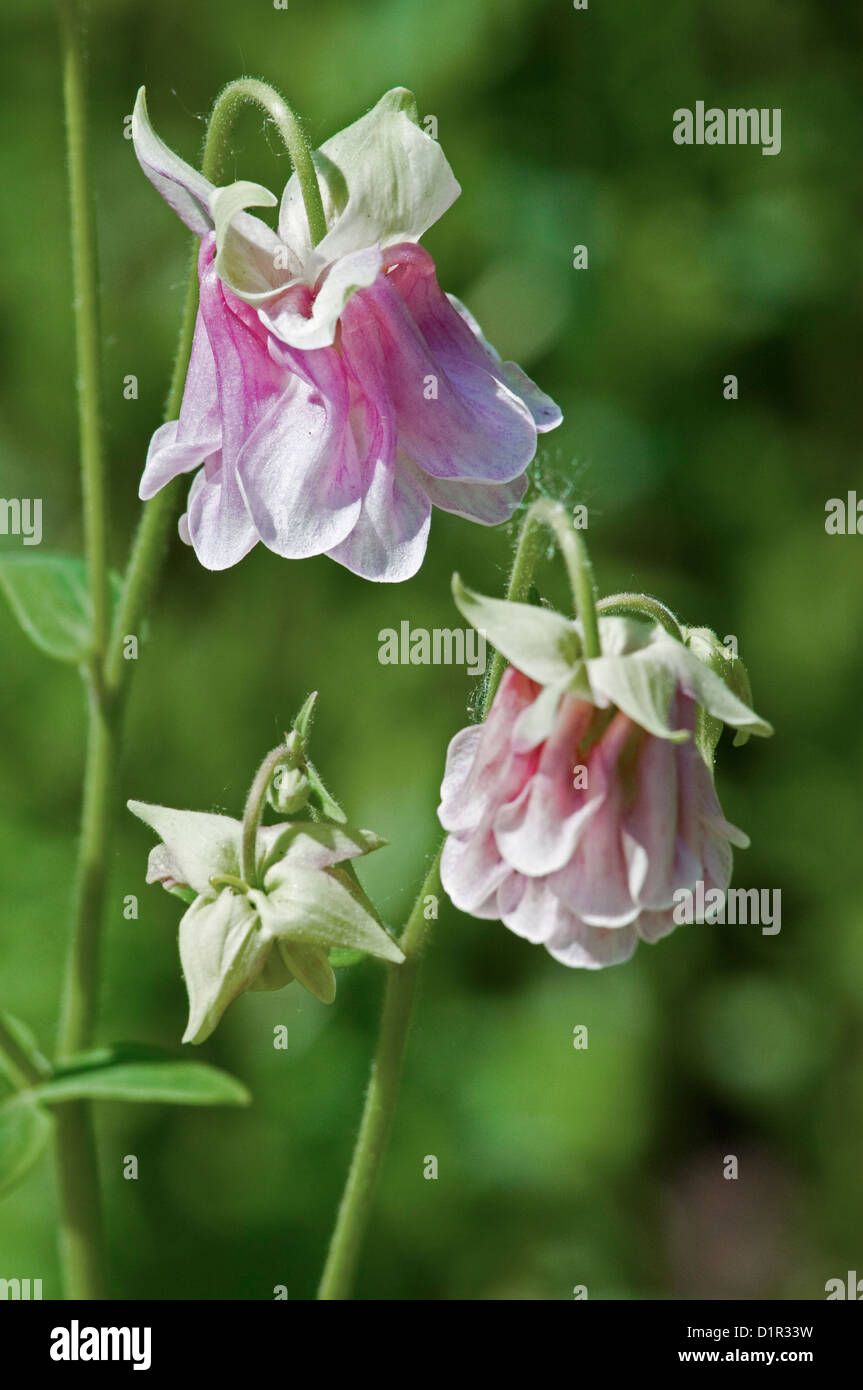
(254, 812)
(80, 992)
(528, 551)
(355, 1208)
(283, 117)
(640, 606)
(87, 334)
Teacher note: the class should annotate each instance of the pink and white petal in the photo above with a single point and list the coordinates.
(167, 459)
(469, 426)
(248, 379)
(594, 885)
(453, 812)
(307, 322)
(653, 926)
(453, 334)
(496, 775)
(581, 946)
(650, 823)
(537, 915)
(300, 474)
(489, 504)
(217, 520)
(388, 542)
(539, 831)
(183, 188)
(471, 873)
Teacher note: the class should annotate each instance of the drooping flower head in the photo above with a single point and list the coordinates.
(335, 393)
(585, 800)
(268, 904)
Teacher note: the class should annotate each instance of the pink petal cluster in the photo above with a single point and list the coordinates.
(335, 394)
(343, 450)
(585, 870)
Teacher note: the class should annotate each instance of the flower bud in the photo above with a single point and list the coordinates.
(290, 787)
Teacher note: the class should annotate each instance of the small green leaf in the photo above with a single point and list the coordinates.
(50, 597)
(24, 1132)
(134, 1073)
(26, 1041)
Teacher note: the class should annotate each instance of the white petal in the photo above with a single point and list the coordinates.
(182, 187)
(318, 328)
(398, 179)
(222, 951)
(201, 845)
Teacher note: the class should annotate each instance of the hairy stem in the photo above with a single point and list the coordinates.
(355, 1208)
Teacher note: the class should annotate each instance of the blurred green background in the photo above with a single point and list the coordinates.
(556, 1167)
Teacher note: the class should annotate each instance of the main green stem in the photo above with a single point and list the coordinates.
(81, 1238)
(81, 1243)
(87, 334)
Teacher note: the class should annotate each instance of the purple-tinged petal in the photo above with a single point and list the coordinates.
(495, 776)
(389, 540)
(489, 504)
(458, 423)
(538, 833)
(594, 885)
(298, 467)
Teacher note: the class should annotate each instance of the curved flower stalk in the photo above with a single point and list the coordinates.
(585, 801)
(267, 903)
(335, 393)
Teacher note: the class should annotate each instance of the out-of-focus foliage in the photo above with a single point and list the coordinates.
(557, 1167)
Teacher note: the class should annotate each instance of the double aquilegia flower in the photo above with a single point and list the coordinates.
(267, 903)
(585, 800)
(335, 393)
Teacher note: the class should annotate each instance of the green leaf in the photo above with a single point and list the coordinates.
(50, 597)
(26, 1041)
(134, 1073)
(24, 1132)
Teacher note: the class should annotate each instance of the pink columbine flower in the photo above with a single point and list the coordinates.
(335, 393)
(583, 803)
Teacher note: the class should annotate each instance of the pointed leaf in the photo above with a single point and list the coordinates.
(26, 1040)
(24, 1131)
(50, 598)
(169, 1082)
